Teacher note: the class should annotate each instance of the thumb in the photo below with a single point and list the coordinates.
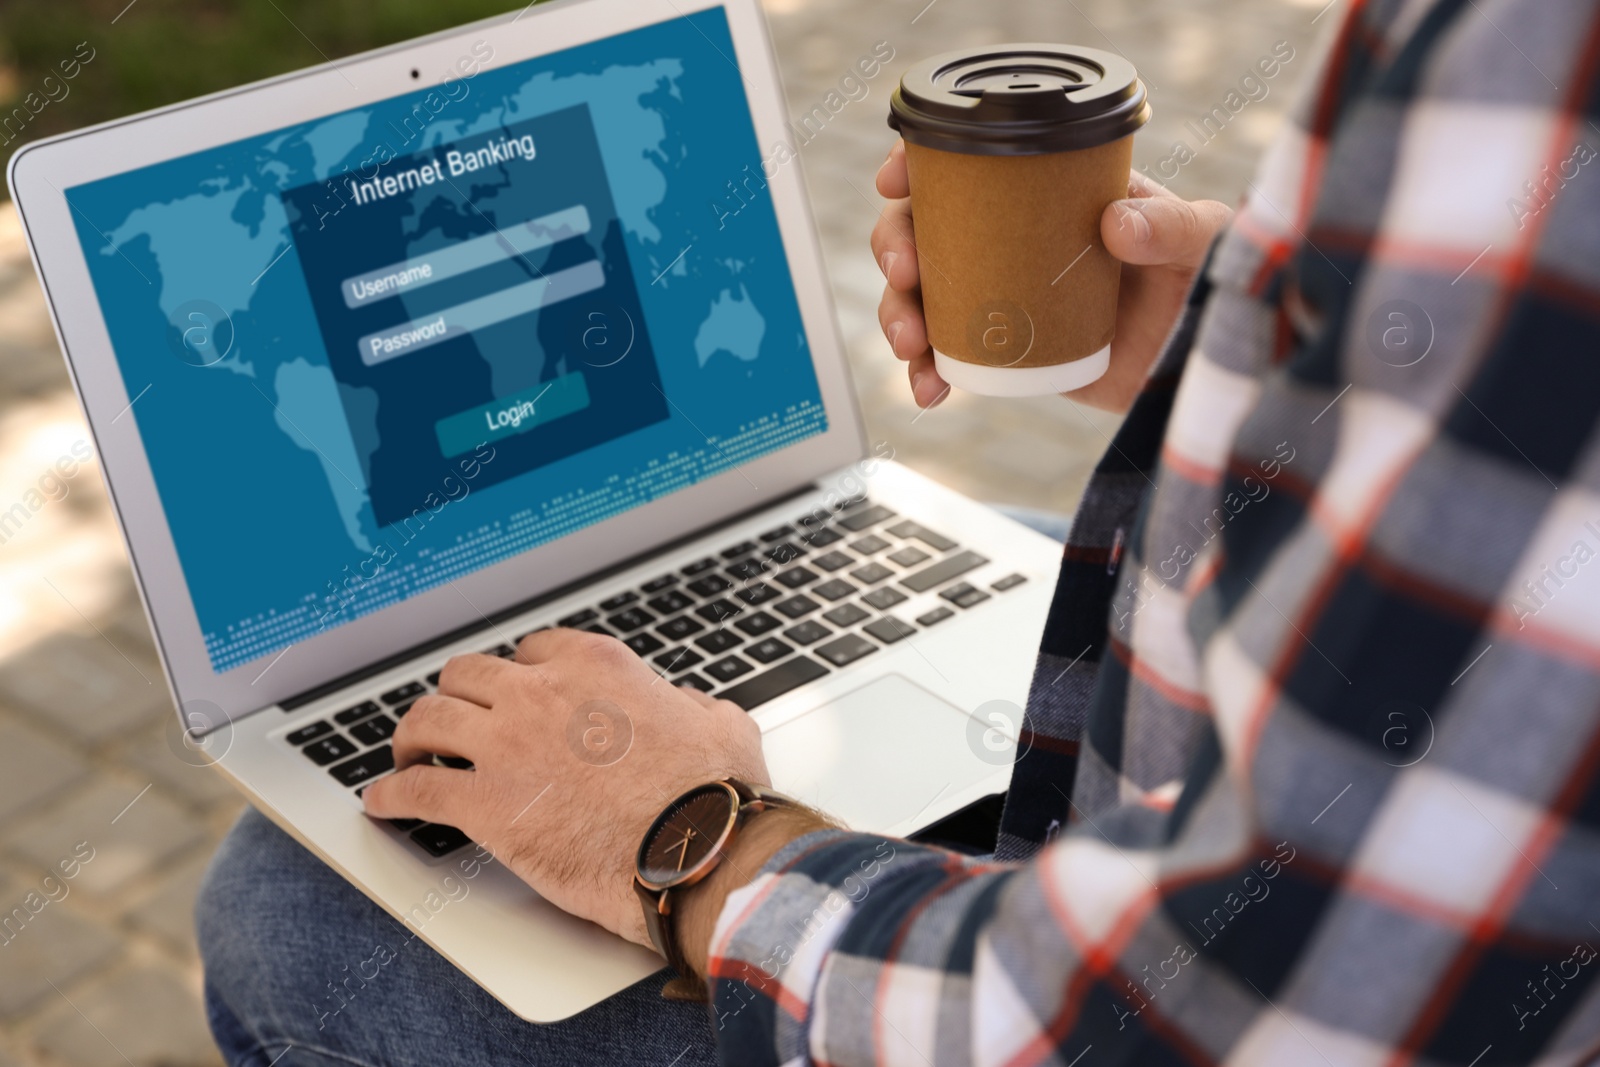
(1161, 230)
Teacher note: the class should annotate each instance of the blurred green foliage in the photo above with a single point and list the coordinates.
(156, 52)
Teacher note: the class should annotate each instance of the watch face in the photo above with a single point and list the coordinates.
(687, 834)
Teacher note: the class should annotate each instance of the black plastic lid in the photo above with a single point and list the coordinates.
(1019, 100)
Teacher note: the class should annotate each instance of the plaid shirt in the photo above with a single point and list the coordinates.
(1312, 757)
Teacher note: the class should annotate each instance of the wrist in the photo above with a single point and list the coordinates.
(698, 906)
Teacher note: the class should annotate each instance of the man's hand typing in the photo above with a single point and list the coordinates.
(576, 746)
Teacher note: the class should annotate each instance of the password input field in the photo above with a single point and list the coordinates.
(509, 242)
(484, 311)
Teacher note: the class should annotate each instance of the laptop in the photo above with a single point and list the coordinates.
(415, 353)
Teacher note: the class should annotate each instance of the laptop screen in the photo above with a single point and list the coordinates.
(378, 351)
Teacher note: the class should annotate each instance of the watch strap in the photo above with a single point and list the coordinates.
(659, 915)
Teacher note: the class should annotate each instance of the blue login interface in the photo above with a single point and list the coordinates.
(376, 352)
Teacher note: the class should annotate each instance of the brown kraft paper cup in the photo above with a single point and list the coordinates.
(1014, 152)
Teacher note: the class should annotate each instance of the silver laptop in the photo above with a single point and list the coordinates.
(516, 326)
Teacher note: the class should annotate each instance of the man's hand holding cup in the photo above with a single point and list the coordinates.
(1038, 261)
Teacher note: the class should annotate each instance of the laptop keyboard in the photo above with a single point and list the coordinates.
(748, 624)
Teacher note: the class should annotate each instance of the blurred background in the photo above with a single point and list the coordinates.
(108, 974)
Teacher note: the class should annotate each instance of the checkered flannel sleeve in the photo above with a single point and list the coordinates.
(1313, 769)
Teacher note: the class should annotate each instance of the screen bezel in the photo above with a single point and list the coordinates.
(40, 171)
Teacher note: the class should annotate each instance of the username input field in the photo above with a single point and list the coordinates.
(484, 311)
(509, 242)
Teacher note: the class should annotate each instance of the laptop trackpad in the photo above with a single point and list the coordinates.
(876, 756)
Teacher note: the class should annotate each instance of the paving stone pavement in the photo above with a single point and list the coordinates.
(101, 969)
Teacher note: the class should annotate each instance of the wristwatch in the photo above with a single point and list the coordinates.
(683, 846)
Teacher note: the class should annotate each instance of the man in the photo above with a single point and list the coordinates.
(1310, 768)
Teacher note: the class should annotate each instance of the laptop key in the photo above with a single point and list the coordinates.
(630, 620)
(621, 600)
(643, 644)
(325, 750)
(832, 561)
(795, 577)
(747, 569)
(678, 629)
(718, 611)
(869, 545)
(796, 607)
(404, 825)
(439, 840)
(937, 615)
(373, 731)
(885, 598)
(807, 633)
(655, 585)
(862, 518)
(846, 615)
(693, 679)
(308, 733)
(909, 556)
(409, 691)
(1010, 581)
(578, 619)
(759, 623)
(433, 679)
(787, 552)
(846, 649)
(753, 692)
(678, 659)
(743, 548)
(670, 603)
(915, 530)
(718, 641)
(699, 567)
(364, 767)
(964, 595)
(958, 590)
(400, 711)
(777, 535)
(758, 593)
(939, 573)
(596, 628)
(889, 629)
(871, 574)
(837, 589)
(503, 651)
(823, 537)
(768, 650)
(710, 585)
(728, 668)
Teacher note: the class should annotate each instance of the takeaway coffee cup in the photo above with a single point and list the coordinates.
(1014, 153)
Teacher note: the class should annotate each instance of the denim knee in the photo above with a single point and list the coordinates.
(253, 886)
(274, 924)
(294, 955)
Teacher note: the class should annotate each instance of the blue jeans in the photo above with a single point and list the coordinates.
(280, 932)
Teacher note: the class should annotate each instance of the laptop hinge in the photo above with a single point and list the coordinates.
(400, 658)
